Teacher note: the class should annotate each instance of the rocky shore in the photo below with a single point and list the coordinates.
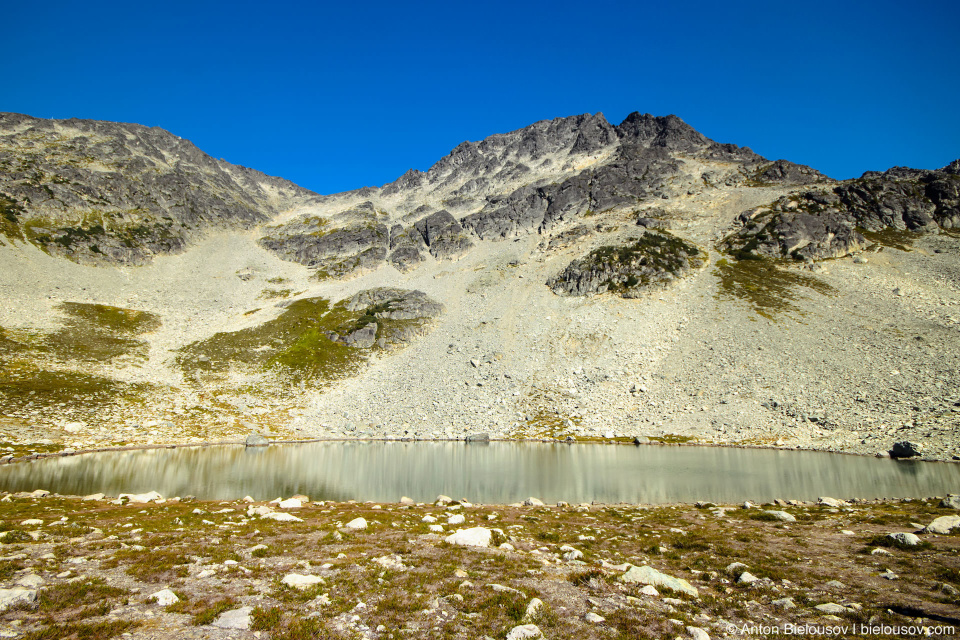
(148, 567)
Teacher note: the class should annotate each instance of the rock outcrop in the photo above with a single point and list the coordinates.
(106, 192)
(820, 224)
(653, 259)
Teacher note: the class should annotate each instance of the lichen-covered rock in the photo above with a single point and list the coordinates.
(652, 260)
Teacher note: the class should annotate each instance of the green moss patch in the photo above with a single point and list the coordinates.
(768, 288)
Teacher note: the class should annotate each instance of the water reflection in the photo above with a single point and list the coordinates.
(494, 473)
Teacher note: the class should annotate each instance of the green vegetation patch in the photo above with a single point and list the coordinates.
(25, 385)
(765, 286)
(899, 239)
(10, 212)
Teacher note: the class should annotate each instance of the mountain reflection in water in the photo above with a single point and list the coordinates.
(493, 473)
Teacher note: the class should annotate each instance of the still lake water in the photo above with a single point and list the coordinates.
(491, 473)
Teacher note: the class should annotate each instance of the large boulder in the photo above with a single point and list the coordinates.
(906, 449)
(475, 537)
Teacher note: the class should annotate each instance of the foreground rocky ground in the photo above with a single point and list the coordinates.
(99, 567)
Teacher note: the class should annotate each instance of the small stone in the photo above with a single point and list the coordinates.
(650, 590)
(292, 503)
(164, 597)
(593, 618)
(392, 562)
(747, 578)
(407, 501)
(835, 584)
(94, 496)
(456, 519)
(436, 528)
(784, 603)
(831, 502)
(532, 502)
(428, 519)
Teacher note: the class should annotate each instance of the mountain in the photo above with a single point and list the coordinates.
(573, 278)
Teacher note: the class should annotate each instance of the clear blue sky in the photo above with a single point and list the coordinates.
(336, 96)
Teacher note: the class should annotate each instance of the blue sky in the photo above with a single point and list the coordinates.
(343, 95)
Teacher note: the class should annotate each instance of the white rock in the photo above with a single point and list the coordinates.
(571, 553)
(506, 546)
(300, 582)
(524, 631)
(649, 590)
(32, 522)
(747, 578)
(593, 618)
(10, 597)
(94, 496)
(356, 524)
(649, 575)
(393, 562)
(282, 517)
(30, 581)
(164, 597)
(533, 609)
(235, 619)
(532, 502)
(943, 525)
(832, 608)
(206, 573)
(831, 502)
(475, 537)
(428, 519)
(456, 519)
(697, 633)
(436, 528)
(782, 516)
(292, 503)
(248, 499)
(407, 501)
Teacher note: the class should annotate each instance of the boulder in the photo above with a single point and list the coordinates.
(943, 525)
(649, 575)
(782, 516)
(356, 524)
(164, 597)
(10, 597)
(697, 633)
(532, 502)
(906, 449)
(524, 631)
(475, 537)
(292, 503)
(256, 440)
(950, 502)
(747, 578)
(478, 437)
(907, 539)
(141, 498)
(831, 608)
(234, 619)
(300, 582)
(456, 519)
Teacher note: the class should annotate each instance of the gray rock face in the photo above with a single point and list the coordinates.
(361, 244)
(830, 223)
(652, 260)
(105, 192)
(406, 248)
(444, 235)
